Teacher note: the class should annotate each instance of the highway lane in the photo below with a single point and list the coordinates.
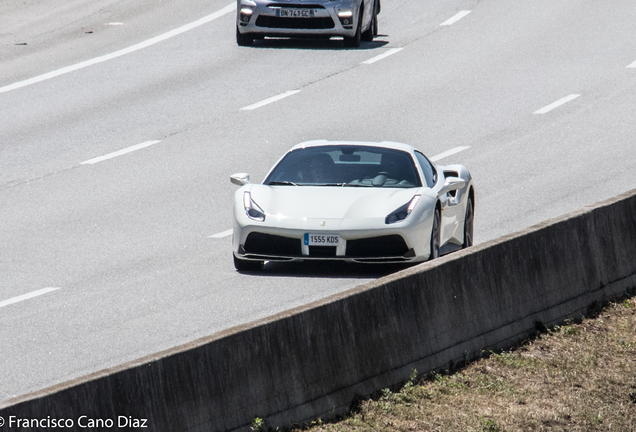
(39, 36)
(126, 240)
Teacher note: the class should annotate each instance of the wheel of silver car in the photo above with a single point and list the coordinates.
(435, 236)
(375, 25)
(243, 39)
(355, 40)
(247, 266)
(468, 223)
(378, 7)
(372, 31)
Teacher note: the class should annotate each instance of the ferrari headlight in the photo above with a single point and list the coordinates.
(403, 212)
(252, 209)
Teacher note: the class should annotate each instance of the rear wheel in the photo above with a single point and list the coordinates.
(243, 39)
(468, 223)
(435, 236)
(247, 266)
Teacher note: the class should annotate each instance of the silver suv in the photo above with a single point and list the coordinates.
(355, 20)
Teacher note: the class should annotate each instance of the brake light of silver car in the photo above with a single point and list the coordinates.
(252, 209)
(403, 212)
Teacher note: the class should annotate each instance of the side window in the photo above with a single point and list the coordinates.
(430, 175)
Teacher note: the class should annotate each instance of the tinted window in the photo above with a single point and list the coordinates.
(427, 168)
(346, 165)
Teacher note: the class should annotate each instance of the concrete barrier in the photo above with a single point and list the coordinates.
(314, 361)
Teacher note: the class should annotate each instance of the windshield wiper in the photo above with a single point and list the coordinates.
(282, 183)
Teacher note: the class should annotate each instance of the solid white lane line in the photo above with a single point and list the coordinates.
(26, 296)
(221, 234)
(120, 152)
(382, 56)
(456, 18)
(632, 66)
(448, 153)
(557, 104)
(227, 9)
(270, 100)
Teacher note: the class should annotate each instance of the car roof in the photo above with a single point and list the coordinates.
(383, 144)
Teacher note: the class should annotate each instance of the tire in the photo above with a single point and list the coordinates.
(355, 40)
(243, 39)
(468, 223)
(247, 266)
(435, 236)
(372, 31)
(375, 25)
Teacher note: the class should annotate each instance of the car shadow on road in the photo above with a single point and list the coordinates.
(329, 269)
(314, 44)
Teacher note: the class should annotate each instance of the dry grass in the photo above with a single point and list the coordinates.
(574, 377)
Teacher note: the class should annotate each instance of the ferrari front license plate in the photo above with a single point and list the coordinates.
(295, 13)
(322, 239)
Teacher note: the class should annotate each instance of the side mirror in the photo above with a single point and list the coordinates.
(240, 179)
(451, 184)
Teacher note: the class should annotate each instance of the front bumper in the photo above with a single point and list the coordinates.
(264, 244)
(263, 18)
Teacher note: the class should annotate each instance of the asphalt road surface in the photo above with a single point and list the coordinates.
(121, 122)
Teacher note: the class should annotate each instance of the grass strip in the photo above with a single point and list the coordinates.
(577, 376)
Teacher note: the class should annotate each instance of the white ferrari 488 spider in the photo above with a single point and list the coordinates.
(353, 201)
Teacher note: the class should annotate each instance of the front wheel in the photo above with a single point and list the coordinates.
(243, 39)
(246, 265)
(372, 31)
(468, 224)
(375, 25)
(355, 40)
(435, 236)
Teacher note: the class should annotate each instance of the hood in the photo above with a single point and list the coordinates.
(316, 202)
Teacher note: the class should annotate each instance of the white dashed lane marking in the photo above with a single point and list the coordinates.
(382, 56)
(448, 153)
(455, 18)
(557, 104)
(270, 100)
(26, 296)
(221, 234)
(120, 152)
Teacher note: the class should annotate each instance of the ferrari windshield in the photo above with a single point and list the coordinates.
(345, 165)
